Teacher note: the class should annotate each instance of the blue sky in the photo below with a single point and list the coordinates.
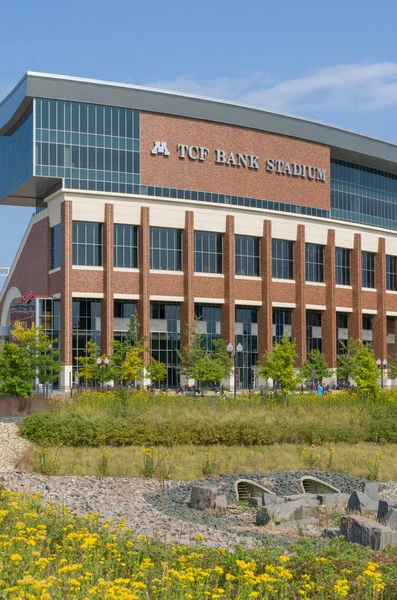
(334, 62)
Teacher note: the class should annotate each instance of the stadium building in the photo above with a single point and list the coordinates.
(176, 206)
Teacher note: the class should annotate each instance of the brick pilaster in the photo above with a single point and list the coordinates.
(379, 322)
(187, 307)
(107, 321)
(265, 312)
(355, 323)
(66, 295)
(228, 309)
(143, 306)
(298, 319)
(328, 320)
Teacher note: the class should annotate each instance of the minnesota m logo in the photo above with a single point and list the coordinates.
(160, 148)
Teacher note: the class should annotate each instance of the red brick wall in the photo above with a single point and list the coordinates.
(207, 176)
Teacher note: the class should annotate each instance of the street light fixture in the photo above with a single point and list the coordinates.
(102, 363)
(382, 364)
(230, 349)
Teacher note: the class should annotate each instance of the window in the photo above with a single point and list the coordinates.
(391, 273)
(123, 314)
(341, 333)
(165, 249)
(313, 331)
(55, 246)
(282, 259)
(87, 244)
(368, 269)
(314, 262)
(208, 322)
(126, 246)
(367, 330)
(247, 336)
(247, 255)
(86, 326)
(342, 256)
(165, 337)
(281, 324)
(208, 252)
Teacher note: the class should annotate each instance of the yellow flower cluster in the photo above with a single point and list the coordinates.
(47, 552)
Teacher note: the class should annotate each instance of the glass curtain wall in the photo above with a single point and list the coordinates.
(165, 337)
(86, 323)
(123, 315)
(281, 324)
(208, 318)
(247, 336)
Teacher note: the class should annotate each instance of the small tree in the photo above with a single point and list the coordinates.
(278, 364)
(316, 362)
(345, 364)
(156, 371)
(133, 365)
(192, 352)
(16, 371)
(365, 369)
(40, 352)
(89, 369)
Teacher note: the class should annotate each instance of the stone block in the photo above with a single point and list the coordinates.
(270, 499)
(333, 499)
(302, 496)
(202, 498)
(384, 507)
(367, 533)
(300, 523)
(289, 511)
(359, 501)
(221, 501)
(262, 516)
(372, 490)
(390, 518)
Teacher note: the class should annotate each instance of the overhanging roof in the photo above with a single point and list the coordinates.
(346, 145)
(26, 194)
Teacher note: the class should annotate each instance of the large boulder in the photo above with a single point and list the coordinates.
(202, 498)
(384, 507)
(292, 511)
(359, 501)
(367, 533)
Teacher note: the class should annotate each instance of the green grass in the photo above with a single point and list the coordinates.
(118, 419)
(186, 462)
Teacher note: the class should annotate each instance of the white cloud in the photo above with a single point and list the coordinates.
(367, 86)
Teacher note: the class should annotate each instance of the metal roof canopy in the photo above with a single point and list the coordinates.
(345, 145)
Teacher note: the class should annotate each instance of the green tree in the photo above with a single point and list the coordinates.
(192, 352)
(88, 367)
(156, 371)
(121, 348)
(133, 365)
(365, 370)
(316, 362)
(16, 371)
(345, 364)
(40, 351)
(278, 364)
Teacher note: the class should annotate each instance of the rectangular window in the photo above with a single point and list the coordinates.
(87, 244)
(391, 273)
(282, 259)
(247, 336)
(208, 252)
(86, 326)
(281, 324)
(314, 262)
(208, 322)
(55, 246)
(342, 262)
(313, 331)
(341, 332)
(126, 246)
(367, 330)
(123, 314)
(165, 249)
(247, 255)
(165, 337)
(368, 269)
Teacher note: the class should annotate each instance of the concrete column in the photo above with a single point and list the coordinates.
(228, 309)
(265, 312)
(66, 294)
(298, 317)
(328, 320)
(143, 305)
(355, 323)
(379, 321)
(107, 320)
(187, 307)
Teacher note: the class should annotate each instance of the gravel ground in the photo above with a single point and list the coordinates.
(12, 447)
(150, 510)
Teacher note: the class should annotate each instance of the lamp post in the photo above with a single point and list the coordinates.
(230, 349)
(382, 365)
(102, 363)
